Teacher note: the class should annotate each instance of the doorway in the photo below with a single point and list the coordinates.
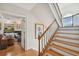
(12, 27)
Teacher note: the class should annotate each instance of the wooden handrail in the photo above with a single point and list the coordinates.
(46, 30)
(39, 37)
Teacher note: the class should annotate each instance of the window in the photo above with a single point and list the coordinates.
(76, 20)
(67, 21)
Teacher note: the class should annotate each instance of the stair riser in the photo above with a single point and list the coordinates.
(59, 51)
(73, 32)
(67, 40)
(67, 43)
(69, 28)
(69, 35)
(68, 51)
(67, 46)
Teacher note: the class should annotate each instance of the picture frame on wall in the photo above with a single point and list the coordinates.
(39, 29)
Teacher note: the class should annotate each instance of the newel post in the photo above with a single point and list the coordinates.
(38, 45)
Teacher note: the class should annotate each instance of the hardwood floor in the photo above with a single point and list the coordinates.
(16, 50)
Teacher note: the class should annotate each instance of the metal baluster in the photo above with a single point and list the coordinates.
(39, 44)
(42, 45)
(44, 40)
(72, 21)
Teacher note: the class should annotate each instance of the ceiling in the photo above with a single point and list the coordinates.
(68, 9)
(17, 8)
(27, 6)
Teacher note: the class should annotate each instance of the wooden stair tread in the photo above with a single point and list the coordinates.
(65, 49)
(68, 43)
(66, 37)
(54, 53)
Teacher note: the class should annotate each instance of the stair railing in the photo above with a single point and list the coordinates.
(45, 38)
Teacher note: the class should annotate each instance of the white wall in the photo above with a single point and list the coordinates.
(41, 13)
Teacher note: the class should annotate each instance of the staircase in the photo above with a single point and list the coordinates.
(64, 43)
